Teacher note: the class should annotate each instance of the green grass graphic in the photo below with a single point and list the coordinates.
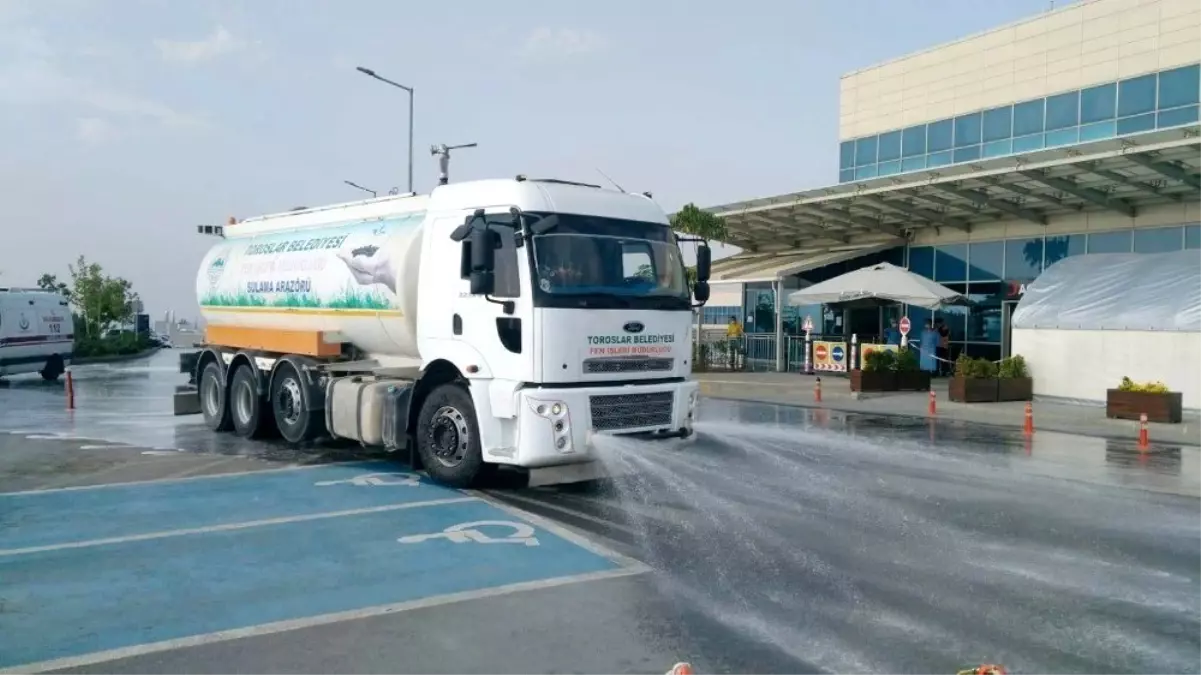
(348, 298)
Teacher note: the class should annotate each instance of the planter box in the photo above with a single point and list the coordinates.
(973, 390)
(916, 380)
(1015, 389)
(862, 380)
(1128, 405)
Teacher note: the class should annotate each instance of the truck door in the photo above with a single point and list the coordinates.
(499, 330)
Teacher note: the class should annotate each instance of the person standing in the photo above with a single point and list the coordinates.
(944, 345)
(734, 341)
(892, 334)
(929, 348)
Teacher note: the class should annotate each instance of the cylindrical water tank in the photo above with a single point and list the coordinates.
(356, 278)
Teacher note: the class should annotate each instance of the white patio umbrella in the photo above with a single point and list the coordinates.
(881, 282)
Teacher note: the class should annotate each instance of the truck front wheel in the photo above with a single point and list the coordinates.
(214, 403)
(448, 437)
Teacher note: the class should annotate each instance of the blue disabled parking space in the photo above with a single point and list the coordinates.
(70, 599)
(49, 518)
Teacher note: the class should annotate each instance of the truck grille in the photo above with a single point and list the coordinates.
(631, 411)
(627, 365)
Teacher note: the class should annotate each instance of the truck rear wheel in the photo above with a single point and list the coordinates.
(214, 404)
(448, 437)
(251, 418)
(290, 406)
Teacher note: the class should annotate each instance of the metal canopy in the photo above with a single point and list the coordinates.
(770, 267)
(1122, 175)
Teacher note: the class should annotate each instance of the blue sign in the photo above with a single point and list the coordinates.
(836, 353)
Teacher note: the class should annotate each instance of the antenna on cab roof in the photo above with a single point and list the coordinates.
(619, 188)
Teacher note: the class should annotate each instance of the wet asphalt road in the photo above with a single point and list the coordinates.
(781, 540)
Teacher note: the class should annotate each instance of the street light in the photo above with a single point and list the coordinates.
(360, 187)
(371, 73)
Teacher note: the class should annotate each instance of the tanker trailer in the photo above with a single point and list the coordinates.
(494, 322)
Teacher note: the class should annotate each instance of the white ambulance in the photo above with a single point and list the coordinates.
(37, 333)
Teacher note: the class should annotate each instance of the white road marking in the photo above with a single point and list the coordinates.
(155, 481)
(564, 532)
(571, 512)
(234, 526)
(465, 533)
(311, 621)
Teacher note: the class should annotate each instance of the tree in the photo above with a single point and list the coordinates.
(692, 220)
(49, 282)
(101, 300)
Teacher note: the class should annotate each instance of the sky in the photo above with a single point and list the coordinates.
(125, 123)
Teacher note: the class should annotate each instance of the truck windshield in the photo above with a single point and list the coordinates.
(589, 261)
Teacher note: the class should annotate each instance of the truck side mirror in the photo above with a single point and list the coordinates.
(701, 292)
(483, 260)
(704, 260)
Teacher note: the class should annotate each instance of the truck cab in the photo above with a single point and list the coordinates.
(572, 302)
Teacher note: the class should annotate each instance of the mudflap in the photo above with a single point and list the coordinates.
(396, 423)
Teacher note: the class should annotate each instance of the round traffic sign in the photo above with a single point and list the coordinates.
(820, 352)
(837, 353)
(904, 325)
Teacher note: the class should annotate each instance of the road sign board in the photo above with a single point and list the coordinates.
(807, 325)
(820, 351)
(837, 353)
(904, 325)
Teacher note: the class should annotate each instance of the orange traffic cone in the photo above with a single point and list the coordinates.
(1028, 426)
(817, 391)
(932, 408)
(70, 391)
(1144, 440)
(680, 669)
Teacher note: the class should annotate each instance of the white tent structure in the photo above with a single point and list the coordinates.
(1090, 320)
(882, 281)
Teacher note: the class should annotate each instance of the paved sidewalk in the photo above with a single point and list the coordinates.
(796, 389)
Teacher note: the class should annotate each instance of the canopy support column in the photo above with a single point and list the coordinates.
(778, 287)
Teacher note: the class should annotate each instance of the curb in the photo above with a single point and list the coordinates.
(115, 358)
(995, 425)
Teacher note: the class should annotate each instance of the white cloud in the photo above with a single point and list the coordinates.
(557, 42)
(30, 74)
(220, 43)
(94, 130)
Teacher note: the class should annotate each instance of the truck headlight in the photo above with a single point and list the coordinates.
(560, 421)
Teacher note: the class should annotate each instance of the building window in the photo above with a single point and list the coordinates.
(984, 316)
(1159, 240)
(1098, 104)
(939, 159)
(1063, 111)
(1192, 236)
(913, 163)
(1136, 124)
(939, 136)
(1023, 259)
(1136, 95)
(1062, 137)
(865, 151)
(1098, 131)
(890, 146)
(998, 123)
(921, 261)
(998, 148)
(846, 154)
(987, 261)
(1181, 86)
(1109, 242)
(890, 168)
(1028, 118)
(1064, 246)
(1176, 117)
(1028, 143)
(968, 154)
(913, 141)
(846, 175)
(950, 263)
(865, 172)
(967, 130)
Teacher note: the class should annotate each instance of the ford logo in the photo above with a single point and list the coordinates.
(633, 327)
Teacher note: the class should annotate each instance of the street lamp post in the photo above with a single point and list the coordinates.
(360, 187)
(371, 73)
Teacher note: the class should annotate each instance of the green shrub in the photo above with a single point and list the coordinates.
(1143, 387)
(969, 368)
(879, 361)
(1013, 367)
(122, 344)
(907, 361)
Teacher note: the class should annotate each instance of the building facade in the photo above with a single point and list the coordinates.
(982, 162)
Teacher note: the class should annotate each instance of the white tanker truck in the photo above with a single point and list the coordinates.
(490, 322)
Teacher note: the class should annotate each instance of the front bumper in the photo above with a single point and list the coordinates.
(555, 426)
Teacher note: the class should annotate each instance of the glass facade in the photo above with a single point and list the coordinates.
(1156, 101)
(989, 272)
